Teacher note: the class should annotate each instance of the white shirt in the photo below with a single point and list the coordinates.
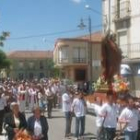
(40, 95)
(130, 116)
(66, 102)
(111, 115)
(99, 119)
(17, 121)
(54, 89)
(48, 92)
(78, 106)
(37, 128)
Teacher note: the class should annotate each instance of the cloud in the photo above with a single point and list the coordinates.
(77, 1)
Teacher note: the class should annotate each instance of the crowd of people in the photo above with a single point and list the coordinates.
(114, 117)
(39, 96)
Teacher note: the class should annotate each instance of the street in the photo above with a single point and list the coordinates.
(57, 126)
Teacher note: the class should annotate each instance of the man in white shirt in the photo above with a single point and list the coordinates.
(21, 99)
(54, 89)
(66, 107)
(129, 119)
(109, 112)
(2, 107)
(50, 97)
(79, 108)
(99, 120)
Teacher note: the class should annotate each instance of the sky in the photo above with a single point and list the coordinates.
(37, 24)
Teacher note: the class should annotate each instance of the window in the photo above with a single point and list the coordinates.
(63, 54)
(123, 8)
(31, 65)
(21, 64)
(80, 75)
(79, 55)
(123, 42)
(41, 65)
(41, 75)
(31, 76)
(21, 76)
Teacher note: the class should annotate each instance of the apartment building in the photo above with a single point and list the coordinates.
(125, 23)
(29, 64)
(72, 56)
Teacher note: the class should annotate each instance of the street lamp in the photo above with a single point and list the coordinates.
(82, 26)
(95, 11)
(99, 13)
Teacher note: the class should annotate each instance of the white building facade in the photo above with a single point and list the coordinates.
(125, 23)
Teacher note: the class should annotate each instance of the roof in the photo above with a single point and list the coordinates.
(30, 54)
(95, 37)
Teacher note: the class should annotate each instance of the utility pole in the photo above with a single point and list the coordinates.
(82, 26)
(90, 55)
(109, 15)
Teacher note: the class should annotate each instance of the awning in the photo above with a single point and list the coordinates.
(125, 69)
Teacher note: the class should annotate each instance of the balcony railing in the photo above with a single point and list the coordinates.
(131, 50)
(79, 60)
(63, 60)
(74, 60)
(121, 11)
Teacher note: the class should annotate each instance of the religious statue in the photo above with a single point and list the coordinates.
(111, 58)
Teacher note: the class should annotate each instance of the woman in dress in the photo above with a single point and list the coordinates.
(32, 97)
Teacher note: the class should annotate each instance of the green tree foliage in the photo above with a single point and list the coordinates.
(53, 71)
(4, 61)
(3, 37)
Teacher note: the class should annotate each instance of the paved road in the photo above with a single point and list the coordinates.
(57, 126)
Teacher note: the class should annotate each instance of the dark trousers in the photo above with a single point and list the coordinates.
(55, 101)
(79, 126)
(109, 133)
(130, 135)
(138, 137)
(49, 107)
(1, 119)
(68, 123)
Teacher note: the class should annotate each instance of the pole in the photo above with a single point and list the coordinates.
(90, 55)
(109, 15)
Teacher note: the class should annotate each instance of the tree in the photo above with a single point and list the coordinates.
(4, 61)
(53, 71)
(3, 37)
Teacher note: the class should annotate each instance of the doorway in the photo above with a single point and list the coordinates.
(80, 75)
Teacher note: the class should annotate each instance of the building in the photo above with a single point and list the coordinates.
(125, 19)
(72, 56)
(29, 64)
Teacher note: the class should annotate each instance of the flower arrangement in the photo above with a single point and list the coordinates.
(101, 84)
(120, 84)
(22, 135)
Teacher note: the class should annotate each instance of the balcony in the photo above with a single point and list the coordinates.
(72, 61)
(63, 60)
(79, 60)
(131, 50)
(121, 11)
